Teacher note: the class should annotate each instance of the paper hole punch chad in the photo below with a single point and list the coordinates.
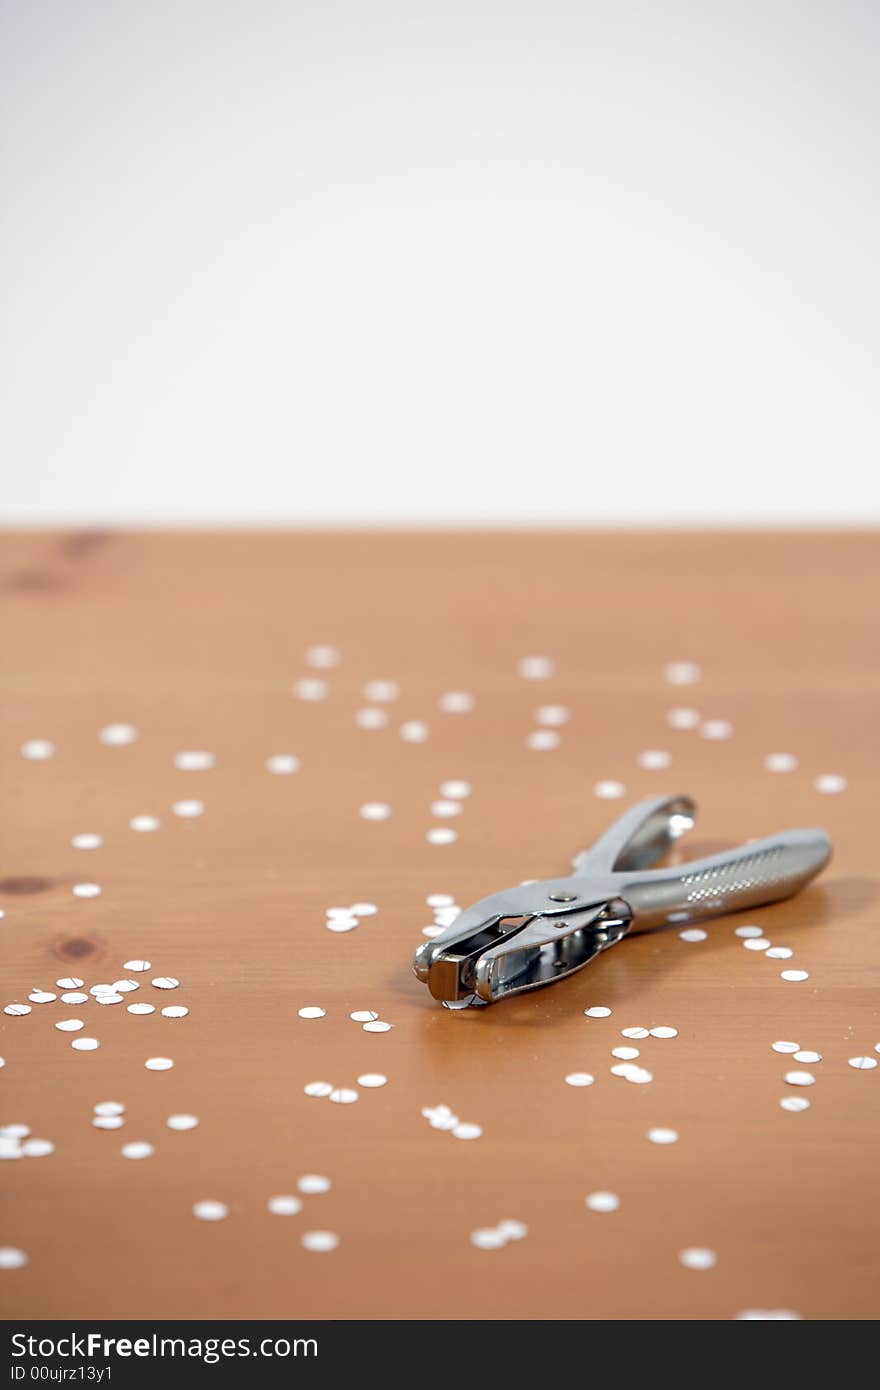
(540, 932)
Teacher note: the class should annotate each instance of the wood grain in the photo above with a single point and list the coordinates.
(197, 640)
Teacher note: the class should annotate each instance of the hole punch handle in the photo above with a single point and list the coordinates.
(641, 836)
(763, 871)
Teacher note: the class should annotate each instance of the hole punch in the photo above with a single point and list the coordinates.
(539, 932)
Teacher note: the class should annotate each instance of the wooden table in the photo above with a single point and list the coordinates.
(196, 641)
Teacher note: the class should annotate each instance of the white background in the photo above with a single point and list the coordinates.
(465, 260)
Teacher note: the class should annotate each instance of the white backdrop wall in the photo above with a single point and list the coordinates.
(457, 260)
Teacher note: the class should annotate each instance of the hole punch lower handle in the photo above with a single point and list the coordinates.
(763, 871)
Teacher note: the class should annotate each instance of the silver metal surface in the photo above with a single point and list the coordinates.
(539, 932)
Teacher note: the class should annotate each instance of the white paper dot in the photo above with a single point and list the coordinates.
(513, 1230)
(144, 823)
(364, 909)
(381, 692)
(12, 1258)
(86, 890)
(343, 1095)
(208, 1210)
(377, 1026)
(456, 702)
(632, 1072)
(74, 997)
(372, 1080)
(69, 982)
(282, 764)
(87, 840)
(158, 1064)
(602, 1201)
(597, 1011)
(794, 975)
(661, 1135)
(413, 731)
(783, 1046)
(137, 1149)
(441, 835)
(863, 1063)
(108, 997)
(108, 1122)
(322, 657)
(312, 1011)
(439, 900)
(693, 934)
(310, 688)
(780, 762)
(313, 1183)
(445, 808)
(609, 790)
(664, 1032)
(683, 718)
(542, 740)
(681, 672)
(165, 982)
(342, 922)
(579, 1078)
(371, 718)
(535, 668)
(318, 1089)
(716, 729)
(830, 783)
(779, 953)
(756, 943)
(69, 1025)
(319, 1242)
(800, 1078)
(552, 716)
(794, 1103)
(654, 759)
(118, 735)
(188, 809)
(141, 1008)
(810, 1058)
(467, 1131)
(746, 932)
(109, 1107)
(488, 1238)
(375, 810)
(625, 1054)
(194, 760)
(17, 1010)
(37, 750)
(457, 790)
(364, 1015)
(635, 1032)
(175, 1011)
(284, 1205)
(768, 1315)
(182, 1122)
(42, 996)
(697, 1257)
(137, 967)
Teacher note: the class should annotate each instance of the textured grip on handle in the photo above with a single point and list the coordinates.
(761, 872)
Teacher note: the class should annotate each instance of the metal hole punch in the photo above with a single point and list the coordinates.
(543, 931)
